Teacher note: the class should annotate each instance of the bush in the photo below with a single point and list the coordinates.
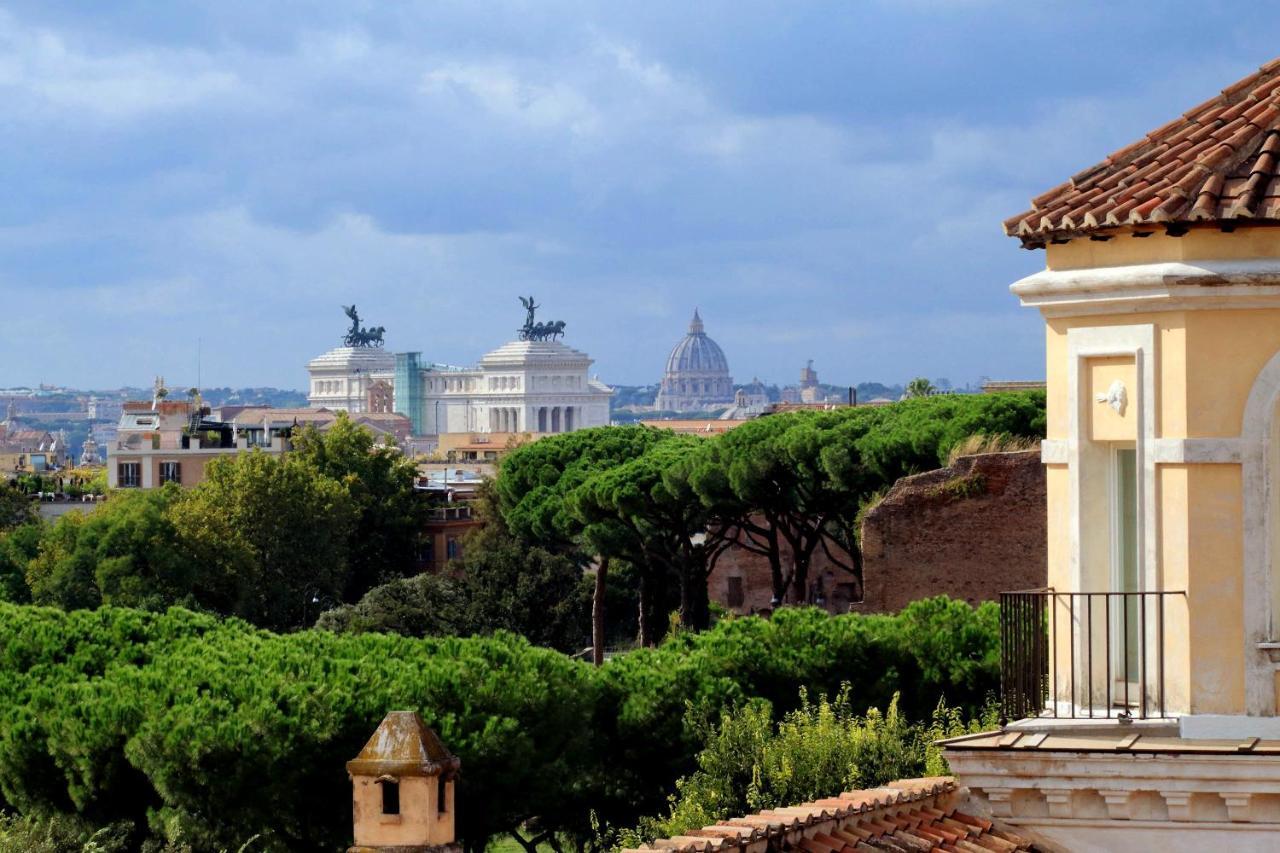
(818, 750)
(498, 585)
(934, 649)
(206, 732)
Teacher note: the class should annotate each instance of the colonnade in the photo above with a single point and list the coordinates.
(542, 419)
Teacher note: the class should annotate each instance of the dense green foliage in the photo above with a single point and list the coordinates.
(820, 749)
(171, 727)
(18, 547)
(425, 605)
(498, 585)
(919, 387)
(16, 507)
(788, 487)
(209, 732)
(277, 531)
(274, 540)
(378, 481)
(536, 479)
(277, 541)
(127, 553)
(644, 511)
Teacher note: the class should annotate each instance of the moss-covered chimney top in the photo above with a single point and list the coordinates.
(403, 745)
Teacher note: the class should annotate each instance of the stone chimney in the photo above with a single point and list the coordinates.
(403, 790)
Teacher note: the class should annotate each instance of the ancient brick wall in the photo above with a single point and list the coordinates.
(969, 531)
(741, 581)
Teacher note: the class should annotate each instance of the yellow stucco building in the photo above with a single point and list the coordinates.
(1147, 671)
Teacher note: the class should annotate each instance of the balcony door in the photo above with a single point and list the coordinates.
(1125, 578)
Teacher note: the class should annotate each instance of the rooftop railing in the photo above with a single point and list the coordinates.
(460, 512)
(1084, 655)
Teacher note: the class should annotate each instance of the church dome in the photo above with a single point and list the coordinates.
(697, 374)
(697, 353)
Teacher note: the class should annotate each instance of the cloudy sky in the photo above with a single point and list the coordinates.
(823, 180)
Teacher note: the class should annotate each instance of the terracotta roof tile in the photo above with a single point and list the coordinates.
(910, 815)
(1176, 173)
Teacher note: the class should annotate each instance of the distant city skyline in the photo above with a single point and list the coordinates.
(822, 181)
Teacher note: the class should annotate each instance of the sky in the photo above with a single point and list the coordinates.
(822, 180)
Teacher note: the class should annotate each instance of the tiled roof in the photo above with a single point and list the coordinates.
(907, 815)
(403, 745)
(1217, 163)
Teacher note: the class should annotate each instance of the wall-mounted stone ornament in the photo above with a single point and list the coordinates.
(1116, 397)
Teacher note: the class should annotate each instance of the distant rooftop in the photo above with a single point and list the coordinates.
(997, 386)
(693, 426)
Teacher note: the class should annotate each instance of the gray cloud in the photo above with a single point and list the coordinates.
(823, 181)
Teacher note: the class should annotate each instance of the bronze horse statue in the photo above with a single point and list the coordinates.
(358, 337)
(532, 331)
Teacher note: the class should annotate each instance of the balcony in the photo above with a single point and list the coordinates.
(1085, 655)
(458, 512)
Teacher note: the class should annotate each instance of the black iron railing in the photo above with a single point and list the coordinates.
(1083, 654)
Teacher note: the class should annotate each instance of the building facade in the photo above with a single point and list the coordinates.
(532, 385)
(537, 387)
(30, 451)
(697, 374)
(1141, 684)
(161, 442)
(172, 441)
(348, 378)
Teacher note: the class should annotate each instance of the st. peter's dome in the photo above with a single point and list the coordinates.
(697, 375)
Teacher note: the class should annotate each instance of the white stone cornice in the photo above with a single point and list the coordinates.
(1176, 451)
(1165, 286)
(1166, 451)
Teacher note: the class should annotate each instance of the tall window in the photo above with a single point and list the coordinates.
(442, 794)
(1124, 543)
(171, 472)
(390, 797)
(453, 548)
(129, 475)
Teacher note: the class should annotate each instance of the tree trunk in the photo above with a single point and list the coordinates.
(801, 558)
(856, 555)
(597, 613)
(695, 611)
(646, 630)
(775, 571)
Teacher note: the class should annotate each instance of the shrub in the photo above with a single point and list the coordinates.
(206, 732)
(817, 750)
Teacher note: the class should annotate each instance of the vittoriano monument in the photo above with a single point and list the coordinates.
(532, 331)
(358, 337)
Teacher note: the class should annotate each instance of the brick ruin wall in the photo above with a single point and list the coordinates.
(969, 531)
(741, 581)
